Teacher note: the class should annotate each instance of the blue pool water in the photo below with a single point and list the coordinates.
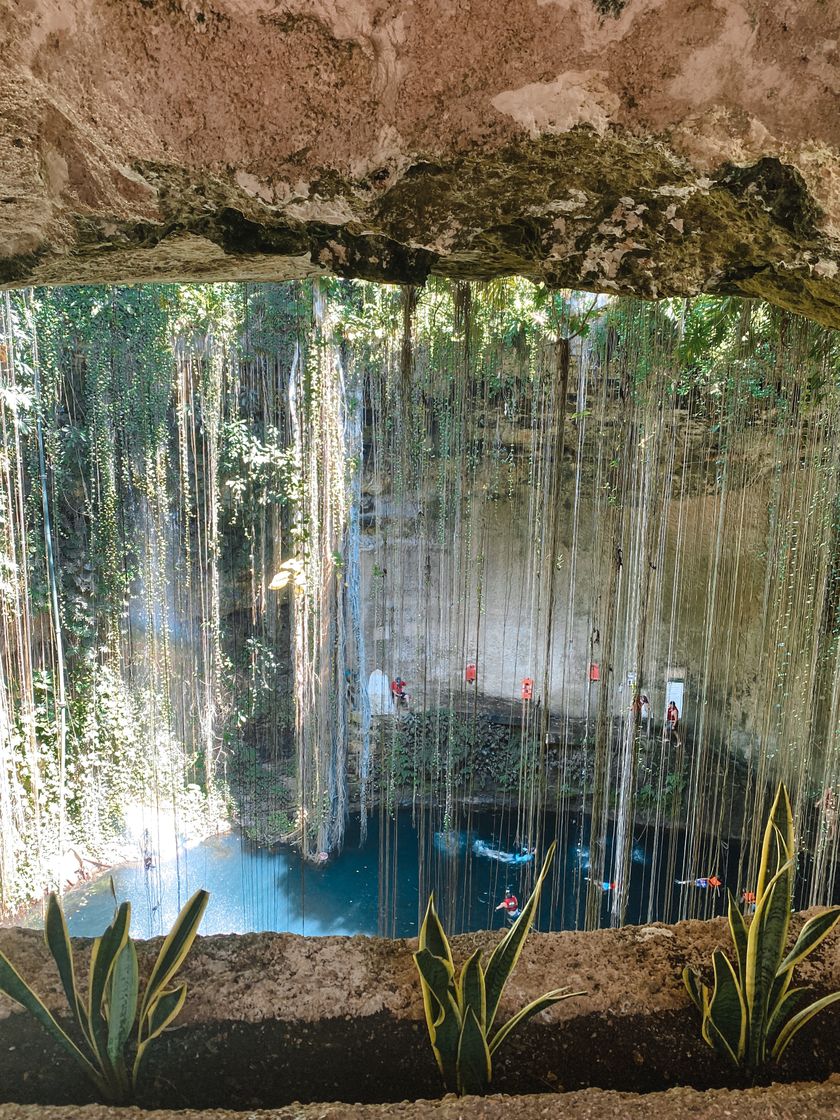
(254, 889)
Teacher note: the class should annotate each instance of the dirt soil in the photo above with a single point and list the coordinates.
(254, 977)
(274, 1018)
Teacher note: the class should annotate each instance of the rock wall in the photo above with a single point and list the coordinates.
(649, 146)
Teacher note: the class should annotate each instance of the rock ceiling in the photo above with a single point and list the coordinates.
(656, 147)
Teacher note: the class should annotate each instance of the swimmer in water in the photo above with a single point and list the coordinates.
(703, 883)
(510, 905)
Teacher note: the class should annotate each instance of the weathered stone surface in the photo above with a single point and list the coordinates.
(652, 146)
(778, 1102)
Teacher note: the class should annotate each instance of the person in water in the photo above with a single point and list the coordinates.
(603, 885)
(510, 905)
(705, 882)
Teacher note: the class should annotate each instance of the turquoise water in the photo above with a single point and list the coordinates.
(253, 889)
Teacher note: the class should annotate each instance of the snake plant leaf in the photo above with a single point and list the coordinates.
(436, 973)
(798, 1021)
(443, 1017)
(726, 1007)
(57, 938)
(122, 1001)
(104, 953)
(739, 932)
(14, 986)
(471, 990)
(773, 854)
(693, 986)
(167, 1007)
(765, 948)
(778, 991)
(474, 1065)
(528, 1012)
(770, 1010)
(814, 931)
(783, 1010)
(716, 1040)
(508, 951)
(433, 936)
(172, 954)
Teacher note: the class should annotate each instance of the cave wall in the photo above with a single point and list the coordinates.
(641, 146)
(432, 602)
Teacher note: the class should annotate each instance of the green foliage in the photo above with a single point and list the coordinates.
(461, 1013)
(106, 1015)
(751, 1014)
(474, 751)
(257, 470)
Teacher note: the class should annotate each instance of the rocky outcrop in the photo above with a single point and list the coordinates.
(654, 147)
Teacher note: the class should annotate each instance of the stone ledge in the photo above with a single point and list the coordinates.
(665, 149)
(801, 1101)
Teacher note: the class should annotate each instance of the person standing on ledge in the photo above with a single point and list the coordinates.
(672, 719)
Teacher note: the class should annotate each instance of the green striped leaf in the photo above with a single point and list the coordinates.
(814, 931)
(172, 955)
(795, 1024)
(783, 1010)
(471, 990)
(103, 954)
(443, 1018)
(778, 991)
(57, 938)
(716, 1040)
(772, 857)
(14, 986)
(765, 947)
(122, 1001)
(504, 957)
(726, 1007)
(474, 1064)
(105, 951)
(436, 973)
(694, 987)
(527, 1012)
(432, 935)
(738, 929)
(167, 1008)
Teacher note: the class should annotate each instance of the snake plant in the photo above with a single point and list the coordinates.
(106, 1013)
(751, 1013)
(461, 1013)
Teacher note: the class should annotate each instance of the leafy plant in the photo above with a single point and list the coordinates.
(107, 1013)
(751, 1014)
(460, 1014)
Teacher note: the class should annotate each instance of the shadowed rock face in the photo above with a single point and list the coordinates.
(655, 147)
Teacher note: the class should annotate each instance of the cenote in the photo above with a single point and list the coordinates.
(320, 600)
